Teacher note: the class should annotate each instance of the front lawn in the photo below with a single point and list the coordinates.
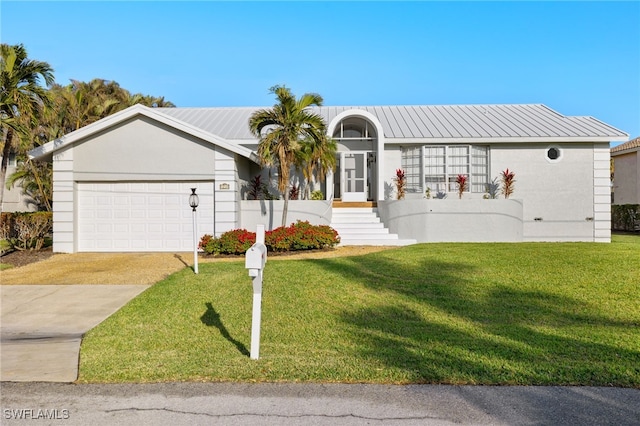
(525, 313)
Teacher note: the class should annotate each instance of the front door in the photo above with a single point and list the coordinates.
(354, 176)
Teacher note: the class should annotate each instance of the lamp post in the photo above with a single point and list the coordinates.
(193, 203)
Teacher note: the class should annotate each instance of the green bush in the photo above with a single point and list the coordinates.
(625, 217)
(26, 231)
(297, 236)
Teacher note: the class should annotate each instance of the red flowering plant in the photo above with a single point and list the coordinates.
(237, 241)
(297, 236)
(508, 182)
(462, 181)
(401, 183)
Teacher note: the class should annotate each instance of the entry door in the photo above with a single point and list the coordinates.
(354, 176)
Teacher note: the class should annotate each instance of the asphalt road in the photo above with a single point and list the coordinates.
(314, 404)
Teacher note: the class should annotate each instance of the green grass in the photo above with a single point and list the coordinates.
(529, 313)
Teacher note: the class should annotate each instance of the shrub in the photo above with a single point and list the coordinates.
(317, 195)
(26, 231)
(508, 182)
(625, 217)
(461, 180)
(297, 236)
(294, 192)
(492, 189)
(401, 183)
(256, 188)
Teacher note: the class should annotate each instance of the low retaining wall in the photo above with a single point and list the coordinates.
(454, 220)
(269, 213)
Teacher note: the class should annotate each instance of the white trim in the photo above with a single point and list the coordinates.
(131, 112)
(380, 145)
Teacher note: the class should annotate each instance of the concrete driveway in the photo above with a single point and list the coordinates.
(42, 326)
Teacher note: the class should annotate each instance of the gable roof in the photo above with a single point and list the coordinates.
(627, 146)
(46, 151)
(433, 122)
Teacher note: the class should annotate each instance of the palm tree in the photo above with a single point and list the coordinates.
(315, 160)
(21, 95)
(281, 130)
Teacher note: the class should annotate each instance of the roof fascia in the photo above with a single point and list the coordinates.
(523, 140)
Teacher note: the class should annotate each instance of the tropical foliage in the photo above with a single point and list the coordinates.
(401, 184)
(291, 135)
(21, 99)
(297, 236)
(508, 182)
(33, 115)
(462, 182)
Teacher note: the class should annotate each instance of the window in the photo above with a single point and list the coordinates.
(554, 154)
(441, 165)
(411, 166)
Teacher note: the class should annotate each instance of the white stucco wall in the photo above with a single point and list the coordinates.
(454, 220)
(269, 213)
(626, 181)
(558, 196)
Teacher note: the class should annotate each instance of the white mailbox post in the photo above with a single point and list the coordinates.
(255, 259)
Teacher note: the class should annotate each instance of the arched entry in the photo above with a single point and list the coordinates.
(356, 176)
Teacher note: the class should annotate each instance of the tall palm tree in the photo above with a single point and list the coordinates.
(280, 131)
(20, 95)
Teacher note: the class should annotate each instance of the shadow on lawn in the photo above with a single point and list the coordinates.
(464, 332)
(212, 318)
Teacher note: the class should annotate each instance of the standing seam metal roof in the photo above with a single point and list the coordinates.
(423, 121)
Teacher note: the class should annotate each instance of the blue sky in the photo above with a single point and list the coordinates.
(579, 58)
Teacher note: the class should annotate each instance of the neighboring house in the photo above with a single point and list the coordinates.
(14, 199)
(122, 183)
(626, 178)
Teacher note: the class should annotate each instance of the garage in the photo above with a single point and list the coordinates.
(141, 216)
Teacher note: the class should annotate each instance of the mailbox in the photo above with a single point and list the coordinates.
(255, 258)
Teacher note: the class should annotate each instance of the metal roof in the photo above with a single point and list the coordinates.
(441, 122)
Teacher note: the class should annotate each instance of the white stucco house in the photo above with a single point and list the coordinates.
(122, 183)
(626, 180)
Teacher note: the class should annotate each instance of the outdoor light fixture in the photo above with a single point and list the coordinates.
(194, 200)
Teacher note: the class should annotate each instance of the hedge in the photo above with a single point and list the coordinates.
(625, 217)
(297, 236)
(26, 231)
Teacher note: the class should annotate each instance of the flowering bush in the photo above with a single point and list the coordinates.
(237, 241)
(297, 236)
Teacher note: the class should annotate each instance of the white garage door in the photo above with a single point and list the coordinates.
(141, 216)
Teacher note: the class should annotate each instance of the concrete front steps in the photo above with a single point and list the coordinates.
(361, 226)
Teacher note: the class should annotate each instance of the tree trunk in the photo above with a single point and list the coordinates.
(3, 167)
(285, 208)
